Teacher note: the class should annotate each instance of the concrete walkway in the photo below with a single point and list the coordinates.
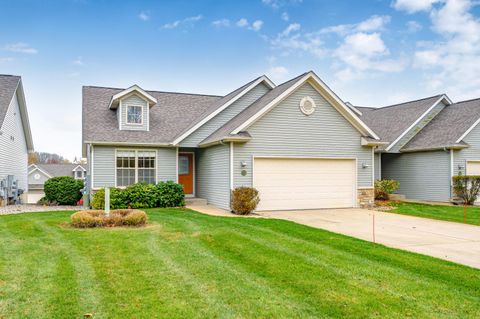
(456, 242)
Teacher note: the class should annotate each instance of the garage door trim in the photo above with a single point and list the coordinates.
(355, 185)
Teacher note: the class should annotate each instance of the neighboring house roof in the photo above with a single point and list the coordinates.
(389, 122)
(55, 170)
(9, 84)
(234, 129)
(447, 128)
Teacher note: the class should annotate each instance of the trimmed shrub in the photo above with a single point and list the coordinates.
(97, 218)
(170, 194)
(141, 195)
(244, 200)
(385, 187)
(466, 187)
(63, 190)
(118, 199)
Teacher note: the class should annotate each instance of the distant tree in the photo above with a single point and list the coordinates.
(46, 158)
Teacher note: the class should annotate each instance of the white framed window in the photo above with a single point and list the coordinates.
(79, 174)
(135, 166)
(135, 114)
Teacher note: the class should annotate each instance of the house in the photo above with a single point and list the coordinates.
(427, 142)
(298, 143)
(15, 139)
(38, 174)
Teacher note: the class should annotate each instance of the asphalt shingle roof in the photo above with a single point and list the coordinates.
(224, 131)
(447, 127)
(8, 85)
(55, 170)
(391, 121)
(172, 115)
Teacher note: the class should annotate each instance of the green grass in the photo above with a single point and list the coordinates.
(185, 264)
(442, 212)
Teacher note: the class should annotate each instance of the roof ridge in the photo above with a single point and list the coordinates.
(465, 101)
(168, 92)
(417, 100)
(12, 75)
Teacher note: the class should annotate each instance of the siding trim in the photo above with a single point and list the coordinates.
(176, 166)
(416, 122)
(223, 107)
(231, 165)
(93, 169)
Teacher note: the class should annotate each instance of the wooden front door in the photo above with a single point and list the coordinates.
(185, 172)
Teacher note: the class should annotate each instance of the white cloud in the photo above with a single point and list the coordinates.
(292, 40)
(78, 61)
(221, 23)
(189, 21)
(291, 28)
(256, 25)
(412, 6)
(374, 23)
(413, 26)
(144, 16)
(453, 63)
(20, 47)
(277, 72)
(276, 4)
(6, 59)
(285, 16)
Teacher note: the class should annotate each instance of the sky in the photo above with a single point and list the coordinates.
(370, 52)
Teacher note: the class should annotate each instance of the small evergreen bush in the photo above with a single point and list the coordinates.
(170, 194)
(142, 195)
(244, 200)
(466, 187)
(385, 187)
(118, 199)
(63, 190)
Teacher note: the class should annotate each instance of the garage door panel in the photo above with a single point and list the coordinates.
(304, 183)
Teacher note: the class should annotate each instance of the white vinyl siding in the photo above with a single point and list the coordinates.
(286, 132)
(472, 153)
(103, 164)
(289, 183)
(13, 146)
(377, 167)
(213, 175)
(422, 175)
(220, 119)
(133, 100)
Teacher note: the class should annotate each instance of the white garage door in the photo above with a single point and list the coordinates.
(286, 184)
(34, 196)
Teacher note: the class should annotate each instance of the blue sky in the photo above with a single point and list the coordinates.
(369, 52)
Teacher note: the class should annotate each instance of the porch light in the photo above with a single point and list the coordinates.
(243, 164)
(365, 165)
(460, 167)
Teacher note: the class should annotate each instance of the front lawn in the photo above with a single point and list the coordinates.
(185, 264)
(442, 212)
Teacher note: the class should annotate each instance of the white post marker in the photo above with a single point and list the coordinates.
(107, 201)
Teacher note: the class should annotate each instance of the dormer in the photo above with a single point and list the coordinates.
(133, 108)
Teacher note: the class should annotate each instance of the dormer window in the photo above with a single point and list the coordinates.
(135, 114)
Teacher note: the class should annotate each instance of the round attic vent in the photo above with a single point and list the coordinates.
(307, 105)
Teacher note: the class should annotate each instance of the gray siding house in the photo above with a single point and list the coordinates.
(298, 143)
(15, 134)
(426, 143)
(38, 174)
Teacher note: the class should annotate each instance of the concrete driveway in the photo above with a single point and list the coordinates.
(446, 240)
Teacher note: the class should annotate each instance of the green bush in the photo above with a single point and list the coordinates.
(385, 187)
(170, 194)
(63, 190)
(142, 195)
(244, 200)
(118, 199)
(97, 218)
(466, 187)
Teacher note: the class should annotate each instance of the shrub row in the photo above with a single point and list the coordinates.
(97, 218)
(62, 190)
(163, 194)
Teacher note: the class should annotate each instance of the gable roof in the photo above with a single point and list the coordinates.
(9, 86)
(234, 128)
(447, 128)
(54, 170)
(134, 89)
(222, 104)
(393, 120)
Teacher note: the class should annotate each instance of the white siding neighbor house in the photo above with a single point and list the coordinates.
(297, 142)
(15, 138)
